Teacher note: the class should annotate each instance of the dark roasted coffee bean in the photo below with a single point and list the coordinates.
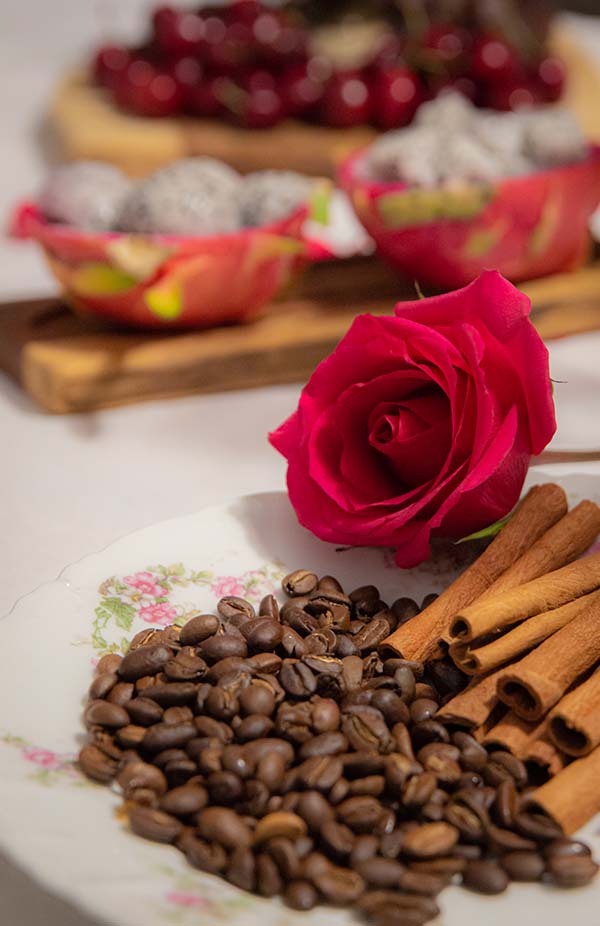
(326, 715)
(381, 872)
(241, 870)
(292, 643)
(391, 843)
(386, 823)
(222, 705)
(572, 870)
(428, 600)
(365, 846)
(162, 759)
(446, 678)
(422, 709)
(232, 606)
(502, 766)
(564, 847)
(153, 824)
(268, 880)
(253, 727)
(326, 744)
(393, 663)
(219, 824)
(330, 584)
(178, 715)
(507, 841)
(131, 736)
(366, 729)
(432, 812)
(102, 713)
(314, 810)
(466, 821)
(320, 643)
(361, 764)
(430, 840)
(398, 768)
(303, 623)
(257, 698)
(391, 706)
(402, 740)
(213, 729)
(300, 582)
(537, 826)
(425, 691)
(224, 667)
(320, 773)
(297, 679)
(221, 646)
(144, 712)
(405, 609)
(446, 770)
(339, 792)
(372, 634)
(445, 867)
(485, 877)
(271, 770)
(106, 743)
(332, 609)
(339, 885)
(284, 853)
(361, 814)
(473, 756)
(418, 790)
(97, 765)
(523, 866)
(265, 663)
(264, 634)
(424, 883)
(506, 803)
(372, 785)
(145, 660)
(345, 646)
(186, 667)
(300, 895)
(207, 856)
(179, 771)
(167, 736)
(429, 731)
(269, 608)
(391, 908)
(364, 593)
(108, 664)
(184, 801)
(257, 749)
(352, 673)
(171, 694)
(102, 684)
(225, 788)
(337, 839)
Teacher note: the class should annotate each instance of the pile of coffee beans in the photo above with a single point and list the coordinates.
(289, 753)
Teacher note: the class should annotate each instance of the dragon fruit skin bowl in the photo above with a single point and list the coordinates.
(168, 281)
(526, 226)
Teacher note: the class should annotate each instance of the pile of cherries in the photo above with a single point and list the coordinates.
(253, 64)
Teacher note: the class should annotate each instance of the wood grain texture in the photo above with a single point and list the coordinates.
(70, 364)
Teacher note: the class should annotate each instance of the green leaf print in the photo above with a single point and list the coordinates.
(122, 612)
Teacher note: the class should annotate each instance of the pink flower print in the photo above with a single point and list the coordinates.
(145, 582)
(42, 757)
(162, 614)
(228, 585)
(185, 899)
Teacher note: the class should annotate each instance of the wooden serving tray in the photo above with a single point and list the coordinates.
(71, 364)
(87, 125)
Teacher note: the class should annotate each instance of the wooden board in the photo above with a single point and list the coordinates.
(87, 125)
(68, 364)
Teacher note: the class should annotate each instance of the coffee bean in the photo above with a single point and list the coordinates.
(186, 667)
(381, 872)
(422, 709)
(265, 635)
(339, 885)
(257, 749)
(372, 785)
(326, 744)
(502, 766)
(361, 814)
(326, 715)
(445, 868)
(320, 643)
(473, 757)
(106, 743)
(332, 609)
(221, 646)
(300, 582)
(241, 870)
(162, 759)
(320, 773)
(102, 685)
(392, 908)
(566, 848)
(297, 679)
(271, 770)
(167, 736)
(171, 694)
(365, 847)
(300, 895)
(103, 714)
(344, 646)
(108, 664)
(137, 774)
(429, 731)
(398, 769)
(144, 712)
(153, 824)
(298, 620)
(96, 765)
(506, 803)
(446, 678)
(572, 870)
(366, 729)
(146, 660)
(391, 706)
(337, 839)
(269, 608)
(224, 667)
(523, 866)
(314, 810)
(207, 856)
(372, 634)
(257, 698)
(268, 880)
(232, 606)
(430, 840)
(219, 824)
(466, 821)
(406, 685)
(254, 726)
(537, 826)
(485, 877)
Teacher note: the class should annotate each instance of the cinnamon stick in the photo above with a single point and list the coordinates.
(421, 637)
(524, 637)
(535, 684)
(542, 758)
(473, 706)
(560, 545)
(573, 796)
(513, 606)
(574, 724)
(512, 734)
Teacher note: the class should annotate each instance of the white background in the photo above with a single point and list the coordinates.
(71, 485)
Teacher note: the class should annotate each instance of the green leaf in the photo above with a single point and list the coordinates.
(101, 280)
(122, 612)
(490, 531)
(166, 302)
(320, 203)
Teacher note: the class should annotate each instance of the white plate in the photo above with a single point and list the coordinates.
(64, 830)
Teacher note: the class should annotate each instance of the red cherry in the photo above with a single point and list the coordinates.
(244, 11)
(493, 59)
(513, 95)
(300, 89)
(229, 50)
(552, 76)
(188, 73)
(261, 105)
(110, 62)
(450, 44)
(148, 90)
(463, 85)
(397, 94)
(277, 40)
(347, 100)
(207, 97)
(177, 32)
(391, 51)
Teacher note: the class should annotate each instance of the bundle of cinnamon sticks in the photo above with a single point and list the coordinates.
(524, 621)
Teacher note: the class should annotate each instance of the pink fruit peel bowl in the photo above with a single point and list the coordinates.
(525, 227)
(168, 281)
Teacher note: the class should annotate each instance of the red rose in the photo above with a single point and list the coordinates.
(423, 423)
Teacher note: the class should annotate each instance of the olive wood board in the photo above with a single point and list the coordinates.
(68, 363)
(86, 125)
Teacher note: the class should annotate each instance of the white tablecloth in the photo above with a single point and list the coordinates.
(72, 485)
